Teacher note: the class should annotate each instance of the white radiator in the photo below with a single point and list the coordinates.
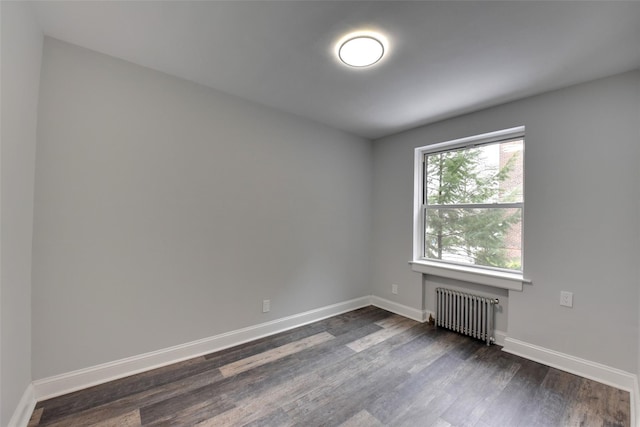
(466, 313)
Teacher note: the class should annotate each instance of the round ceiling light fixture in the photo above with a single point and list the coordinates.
(361, 49)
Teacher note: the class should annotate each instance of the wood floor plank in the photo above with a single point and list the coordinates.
(389, 330)
(426, 414)
(345, 391)
(120, 405)
(445, 342)
(35, 417)
(492, 371)
(130, 419)
(249, 384)
(441, 423)
(391, 321)
(191, 415)
(260, 406)
(553, 398)
(491, 393)
(367, 367)
(279, 377)
(187, 410)
(597, 404)
(362, 419)
(105, 393)
(273, 354)
(261, 345)
(336, 326)
(416, 392)
(276, 418)
(348, 322)
(244, 385)
(342, 398)
(314, 359)
(509, 408)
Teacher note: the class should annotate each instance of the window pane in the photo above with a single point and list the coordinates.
(488, 237)
(485, 174)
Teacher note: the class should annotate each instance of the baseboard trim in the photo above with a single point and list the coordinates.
(582, 367)
(500, 337)
(77, 380)
(402, 310)
(25, 407)
(575, 365)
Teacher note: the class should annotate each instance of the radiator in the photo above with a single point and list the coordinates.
(465, 313)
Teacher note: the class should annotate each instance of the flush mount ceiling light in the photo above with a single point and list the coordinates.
(361, 49)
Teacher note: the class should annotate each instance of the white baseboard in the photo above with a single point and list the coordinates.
(575, 365)
(582, 367)
(66, 383)
(25, 407)
(402, 310)
(500, 337)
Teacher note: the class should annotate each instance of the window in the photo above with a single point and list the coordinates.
(469, 202)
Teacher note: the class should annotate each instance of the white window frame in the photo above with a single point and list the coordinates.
(505, 279)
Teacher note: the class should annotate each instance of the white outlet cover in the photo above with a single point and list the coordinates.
(566, 299)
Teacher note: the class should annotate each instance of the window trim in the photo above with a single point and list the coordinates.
(505, 279)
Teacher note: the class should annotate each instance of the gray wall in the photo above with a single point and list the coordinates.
(638, 264)
(21, 54)
(166, 212)
(581, 227)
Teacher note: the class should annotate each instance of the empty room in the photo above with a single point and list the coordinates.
(320, 213)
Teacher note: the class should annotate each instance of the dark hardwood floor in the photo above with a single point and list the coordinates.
(367, 368)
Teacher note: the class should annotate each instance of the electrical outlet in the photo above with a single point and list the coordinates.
(566, 299)
(394, 289)
(266, 305)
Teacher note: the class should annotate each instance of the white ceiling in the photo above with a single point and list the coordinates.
(444, 59)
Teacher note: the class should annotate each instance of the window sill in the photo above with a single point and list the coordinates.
(496, 279)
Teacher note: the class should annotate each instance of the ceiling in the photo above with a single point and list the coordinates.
(444, 58)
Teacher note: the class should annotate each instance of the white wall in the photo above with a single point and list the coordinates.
(581, 228)
(166, 212)
(21, 54)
